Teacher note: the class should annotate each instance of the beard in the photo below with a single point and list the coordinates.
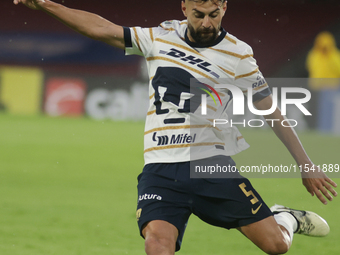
(203, 36)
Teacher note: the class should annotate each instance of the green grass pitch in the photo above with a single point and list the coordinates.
(68, 186)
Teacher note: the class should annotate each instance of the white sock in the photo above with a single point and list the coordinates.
(288, 221)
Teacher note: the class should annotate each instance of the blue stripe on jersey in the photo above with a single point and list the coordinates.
(262, 94)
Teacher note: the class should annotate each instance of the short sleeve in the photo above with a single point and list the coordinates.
(137, 40)
(248, 75)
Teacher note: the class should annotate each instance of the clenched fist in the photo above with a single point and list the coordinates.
(33, 4)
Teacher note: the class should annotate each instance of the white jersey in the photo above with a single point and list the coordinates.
(173, 130)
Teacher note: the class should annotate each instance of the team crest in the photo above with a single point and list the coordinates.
(138, 214)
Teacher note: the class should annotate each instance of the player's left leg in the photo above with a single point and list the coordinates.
(308, 223)
(268, 235)
(274, 234)
(234, 203)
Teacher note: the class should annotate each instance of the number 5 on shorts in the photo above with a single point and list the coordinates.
(243, 186)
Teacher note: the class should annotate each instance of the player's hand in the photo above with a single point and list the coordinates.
(33, 4)
(317, 183)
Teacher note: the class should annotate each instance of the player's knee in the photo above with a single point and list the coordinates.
(156, 242)
(276, 247)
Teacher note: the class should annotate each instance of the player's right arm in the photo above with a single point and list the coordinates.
(86, 23)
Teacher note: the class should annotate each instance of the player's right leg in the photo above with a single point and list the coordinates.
(160, 238)
(163, 207)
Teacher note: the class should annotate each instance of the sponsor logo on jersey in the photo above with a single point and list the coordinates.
(261, 81)
(174, 139)
(192, 60)
(149, 197)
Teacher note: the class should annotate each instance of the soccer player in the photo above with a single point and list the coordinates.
(177, 52)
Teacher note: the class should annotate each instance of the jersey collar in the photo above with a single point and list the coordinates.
(197, 45)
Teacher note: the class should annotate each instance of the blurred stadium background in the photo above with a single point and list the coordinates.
(71, 126)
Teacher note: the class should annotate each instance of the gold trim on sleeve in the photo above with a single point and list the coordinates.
(137, 39)
(247, 74)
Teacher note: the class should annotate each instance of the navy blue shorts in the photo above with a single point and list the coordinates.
(166, 192)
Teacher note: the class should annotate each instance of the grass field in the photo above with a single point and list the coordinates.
(68, 186)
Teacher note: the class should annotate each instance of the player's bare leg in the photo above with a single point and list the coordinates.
(268, 236)
(274, 234)
(160, 238)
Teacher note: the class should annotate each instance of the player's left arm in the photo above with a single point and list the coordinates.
(316, 182)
